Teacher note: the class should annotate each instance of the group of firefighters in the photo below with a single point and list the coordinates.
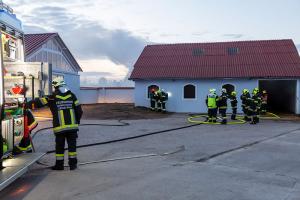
(252, 105)
(158, 99)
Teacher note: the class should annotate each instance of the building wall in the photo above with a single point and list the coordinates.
(177, 103)
(52, 53)
(91, 95)
(72, 80)
(298, 98)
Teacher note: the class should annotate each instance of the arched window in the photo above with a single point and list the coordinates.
(189, 91)
(229, 88)
(150, 88)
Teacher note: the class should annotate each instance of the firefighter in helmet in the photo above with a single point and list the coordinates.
(211, 103)
(254, 107)
(246, 97)
(152, 99)
(163, 98)
(264, 102)
(222, 105)
(67, 113)
(233, 102)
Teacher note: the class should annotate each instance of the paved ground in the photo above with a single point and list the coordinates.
(234, 162)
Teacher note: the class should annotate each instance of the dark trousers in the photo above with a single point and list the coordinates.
(223, 115)
(163, 106)
(152, 104)
(60, 139)
(212, 114)
(254, 116)
(263, 108)
(233, 115)
(247, 113)
(159, 105)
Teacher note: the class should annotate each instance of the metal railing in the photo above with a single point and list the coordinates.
(6, 8)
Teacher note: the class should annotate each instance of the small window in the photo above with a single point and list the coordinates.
(152, 87)
(189, 92)
(233, 50)
(198, 52)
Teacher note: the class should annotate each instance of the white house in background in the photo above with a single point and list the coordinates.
(188, 71)
(50, 48)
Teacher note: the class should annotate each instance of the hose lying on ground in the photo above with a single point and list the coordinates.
(178, 149)
(239, 119)
(116, 140)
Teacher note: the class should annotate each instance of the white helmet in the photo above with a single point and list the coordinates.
(224, 90)
(212, 91)
(58, 82)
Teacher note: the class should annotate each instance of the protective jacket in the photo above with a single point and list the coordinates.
(222, 101)
(65, 109)
(233, 102)
(164, 96)
(211, 101)
(245, 100)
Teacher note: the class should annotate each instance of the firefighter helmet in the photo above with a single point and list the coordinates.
(245, 91)
(58, 82)
(224, 90)
(233, 93)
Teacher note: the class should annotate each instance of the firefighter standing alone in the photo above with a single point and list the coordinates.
(67, 113)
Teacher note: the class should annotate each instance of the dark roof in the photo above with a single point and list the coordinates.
(243, 59)
(33, 42)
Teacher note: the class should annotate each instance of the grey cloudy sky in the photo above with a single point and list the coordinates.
(108, 36)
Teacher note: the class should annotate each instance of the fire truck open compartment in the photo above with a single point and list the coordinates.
(19, 81)
(281, 95)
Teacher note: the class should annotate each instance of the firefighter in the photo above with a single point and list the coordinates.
(156, 98)
(30, 123)
(67, 113)
(255, 106)
(163, 98)
(222, 105)
(211, 103)
(233, 102)
(152, 100)
(264, 102)
(245, 97)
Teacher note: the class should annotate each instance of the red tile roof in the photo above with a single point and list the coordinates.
(255, 59)
(33, 42)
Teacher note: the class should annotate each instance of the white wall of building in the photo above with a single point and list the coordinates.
(72, 80)
(298, 97)
(91, 95)
(177, 103)
(52, 53)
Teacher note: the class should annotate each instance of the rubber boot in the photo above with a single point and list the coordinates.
(224, 121)
(59, 165)
(73, 163)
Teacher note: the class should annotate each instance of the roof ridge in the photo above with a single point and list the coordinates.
(41, 33)
(219, 42)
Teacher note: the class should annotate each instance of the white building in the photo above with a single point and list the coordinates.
(93, 95)
(188, 71)
(50, 48)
